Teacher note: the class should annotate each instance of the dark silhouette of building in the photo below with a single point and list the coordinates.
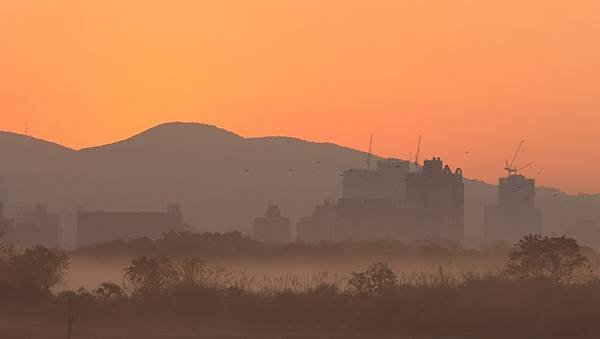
(387, 182)
(101, 226)
(272, 228)
(392, 203)
(440, 192)
(515, 215)
(361, 219)
(326, 224)
(35, 226)
(586, 233)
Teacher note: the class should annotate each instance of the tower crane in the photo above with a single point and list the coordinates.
(510, 167)
(418, 151)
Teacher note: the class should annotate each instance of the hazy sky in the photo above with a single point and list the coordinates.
(473, 76)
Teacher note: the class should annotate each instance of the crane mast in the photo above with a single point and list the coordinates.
(510, 167)
(418, 151)
(370, 152)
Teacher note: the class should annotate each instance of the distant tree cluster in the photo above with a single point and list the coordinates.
(235, 245)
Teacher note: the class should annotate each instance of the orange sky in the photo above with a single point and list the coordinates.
(471, 75)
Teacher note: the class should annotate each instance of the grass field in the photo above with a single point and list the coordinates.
(11, 329)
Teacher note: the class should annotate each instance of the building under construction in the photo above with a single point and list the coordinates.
(515, 215)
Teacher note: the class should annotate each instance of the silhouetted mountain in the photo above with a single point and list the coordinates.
(222, 179)
(24, 153)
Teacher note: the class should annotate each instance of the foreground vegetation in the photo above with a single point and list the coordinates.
(547, 290)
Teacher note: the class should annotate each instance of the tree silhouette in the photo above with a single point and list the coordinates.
(541, 257)
(376, 280)
(109, 293)
(149, 278)
(36, 270)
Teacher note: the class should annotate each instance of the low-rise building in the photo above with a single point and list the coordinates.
(35, 226)
(101, 226)
(272, 228)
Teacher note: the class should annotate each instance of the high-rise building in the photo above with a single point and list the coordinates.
(515, 215)
(392, 203)
(440, 192)
(272, 228)
(388, 181)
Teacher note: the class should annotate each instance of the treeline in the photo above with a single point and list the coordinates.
(547, 290)
(234, 244)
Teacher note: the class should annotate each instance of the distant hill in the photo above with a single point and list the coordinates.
(222, 179)
(23, 153)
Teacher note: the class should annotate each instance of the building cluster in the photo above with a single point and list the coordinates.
(403, 202)
(390, 202)
(34, 225)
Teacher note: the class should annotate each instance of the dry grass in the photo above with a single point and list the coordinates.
(29, 329)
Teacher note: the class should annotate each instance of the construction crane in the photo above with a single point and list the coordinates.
(510, 167)
(522, 168)
(418, 151)
(370, 152)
